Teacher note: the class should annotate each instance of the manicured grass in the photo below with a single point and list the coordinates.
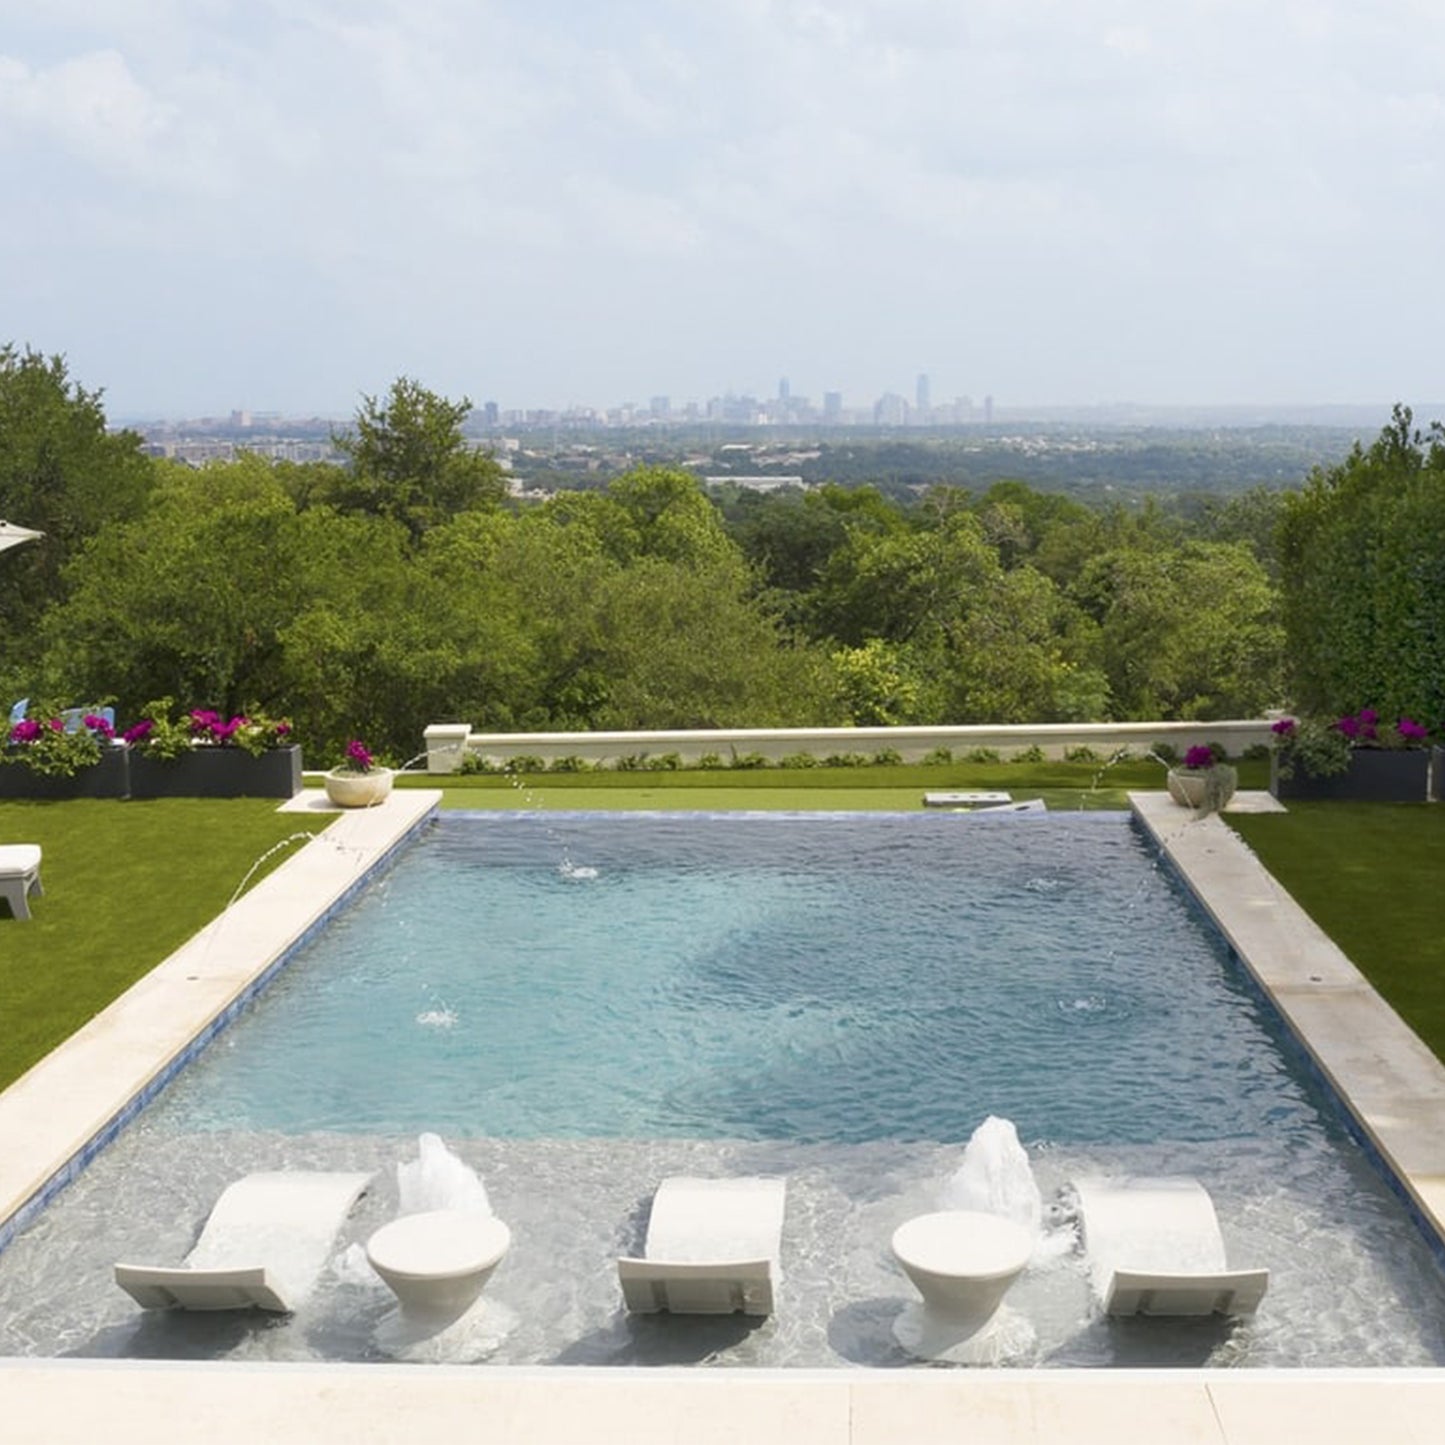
(125, 885)
(1372, 875)
(894, 787)
(643, 796)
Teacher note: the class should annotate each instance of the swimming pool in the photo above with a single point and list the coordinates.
(823, 980)
(842, 1003)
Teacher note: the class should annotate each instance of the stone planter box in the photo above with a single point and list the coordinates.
(217, 773)
(1437, 775)
(1375, 775)
(109, 778)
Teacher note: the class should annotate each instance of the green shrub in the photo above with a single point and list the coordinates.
(632, 763)
(525, 763)
(938, 756)
(982, 755)
(473, 764)
(887, 757)
(572, 764)
(845, 760)
(743, 761)
(1083, 754)
(710, 762)
(798, 760)
(664, 763)
(1034, 754)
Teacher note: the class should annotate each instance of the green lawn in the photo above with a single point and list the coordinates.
(1372, 875)
(895, 787)
(125, 885)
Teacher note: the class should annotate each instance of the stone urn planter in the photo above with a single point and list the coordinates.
(218, 773)
(1191, 787)
(358, 790)
(1374, 775)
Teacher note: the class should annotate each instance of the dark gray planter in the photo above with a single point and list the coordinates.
(109, 778)
(1375, 775)
(217, 773)
(1437, 774)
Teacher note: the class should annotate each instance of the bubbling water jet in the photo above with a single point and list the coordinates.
(995, 1177)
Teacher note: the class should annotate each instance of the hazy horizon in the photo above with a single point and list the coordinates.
(281, 207)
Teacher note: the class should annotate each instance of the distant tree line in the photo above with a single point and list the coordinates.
(408, 587)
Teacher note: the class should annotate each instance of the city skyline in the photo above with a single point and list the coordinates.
(286, 207)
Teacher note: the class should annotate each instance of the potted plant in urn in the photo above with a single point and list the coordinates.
(359, 781)
(1204, 781)
(1359, 757)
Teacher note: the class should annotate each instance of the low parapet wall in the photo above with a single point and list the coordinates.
(447, 744)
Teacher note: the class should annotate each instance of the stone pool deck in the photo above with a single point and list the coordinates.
(1395, 1088)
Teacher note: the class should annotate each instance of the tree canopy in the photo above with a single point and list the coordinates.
(1362, 566)
(408, 587)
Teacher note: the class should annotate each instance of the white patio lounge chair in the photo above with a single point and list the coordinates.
(263, 1247)
(712, 1248)
(1154, 1248)
(20, 876)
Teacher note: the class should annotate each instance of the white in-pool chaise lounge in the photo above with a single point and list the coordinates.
(712, 1248)
(19, 876)
(1154, 1248)
(263, 1247)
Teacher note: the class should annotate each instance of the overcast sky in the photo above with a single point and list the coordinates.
(285, 204)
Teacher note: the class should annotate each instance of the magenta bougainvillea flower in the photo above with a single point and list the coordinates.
(1284, 727)
(1412, 731)
(25, 731)
(358, 758)
(1199, 756)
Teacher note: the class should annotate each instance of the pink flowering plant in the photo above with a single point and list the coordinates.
(1208, 761)
(1323, 749)
(1199, 757)
(58, 742)
(357, 759)
(160, 735)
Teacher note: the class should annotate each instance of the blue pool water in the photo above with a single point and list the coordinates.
(584, 1005)
(834, 979)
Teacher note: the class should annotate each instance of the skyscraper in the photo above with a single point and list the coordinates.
(920, 394)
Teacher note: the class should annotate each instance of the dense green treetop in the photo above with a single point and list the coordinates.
(407, 588)
(410, 462)
(1362, 565)
(62, 473)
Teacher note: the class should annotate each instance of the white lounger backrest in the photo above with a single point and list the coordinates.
(1233, 1293)
(158, 1288)
(712, 1248)
(264, 1245)
(1154, 1247)
(725, 1288)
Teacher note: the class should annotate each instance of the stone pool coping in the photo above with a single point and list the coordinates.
(49, 1117)
(1390, 1083)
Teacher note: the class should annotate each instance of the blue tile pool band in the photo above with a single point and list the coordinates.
(23, 1217)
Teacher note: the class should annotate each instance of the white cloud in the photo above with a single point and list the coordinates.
(985, 171)
(91, 104)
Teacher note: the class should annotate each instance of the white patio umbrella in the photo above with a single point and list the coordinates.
(12, 535)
